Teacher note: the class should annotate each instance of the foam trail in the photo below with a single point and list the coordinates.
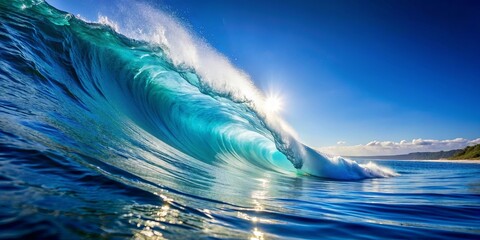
(341, 168)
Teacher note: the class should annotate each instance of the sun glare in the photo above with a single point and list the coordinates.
(273, 103)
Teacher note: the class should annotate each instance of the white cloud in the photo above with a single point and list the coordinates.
(376, 148)
(474, 142)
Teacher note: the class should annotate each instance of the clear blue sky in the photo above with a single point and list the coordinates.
(354, 71)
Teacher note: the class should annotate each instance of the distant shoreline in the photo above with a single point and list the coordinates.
(470, 153)
(449, 160)
(428, 160)
(459, 160)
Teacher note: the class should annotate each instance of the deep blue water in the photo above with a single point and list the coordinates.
(104, 136)
(47, 196)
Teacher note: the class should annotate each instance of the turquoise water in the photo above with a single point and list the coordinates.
(108, 136)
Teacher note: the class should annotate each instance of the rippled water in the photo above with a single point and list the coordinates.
(44, 195)
(104, 136)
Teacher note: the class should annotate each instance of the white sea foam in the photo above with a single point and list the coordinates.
(342, 168)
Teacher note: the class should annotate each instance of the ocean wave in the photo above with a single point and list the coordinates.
(161, 88)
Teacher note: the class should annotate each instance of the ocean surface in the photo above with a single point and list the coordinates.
(111, 131)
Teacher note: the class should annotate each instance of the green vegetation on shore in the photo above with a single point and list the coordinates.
(471, 152)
